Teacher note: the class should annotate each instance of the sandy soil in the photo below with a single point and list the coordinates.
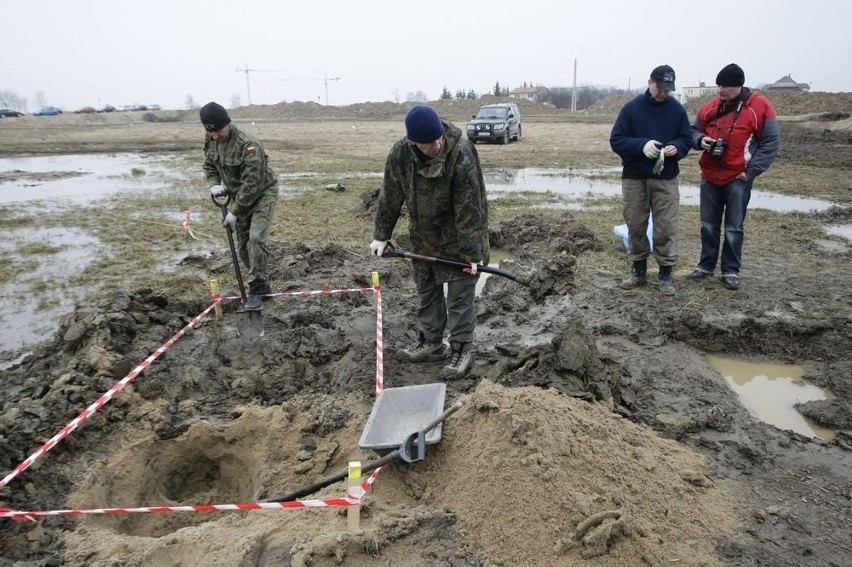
(592, 431)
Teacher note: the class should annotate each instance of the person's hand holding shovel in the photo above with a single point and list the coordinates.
(230, 221)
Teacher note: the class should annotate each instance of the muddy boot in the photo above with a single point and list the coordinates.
(424, 351)
(637, 275)
(253, 303)
(461, 355)
(260, 288)
(664, 282)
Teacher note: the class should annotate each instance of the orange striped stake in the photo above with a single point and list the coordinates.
(353, 513)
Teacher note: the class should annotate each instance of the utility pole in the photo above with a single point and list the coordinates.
(325, 79)
(246, 70)
(574, 89)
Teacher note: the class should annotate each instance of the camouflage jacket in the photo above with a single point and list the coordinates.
(446, 201)
(240, 163)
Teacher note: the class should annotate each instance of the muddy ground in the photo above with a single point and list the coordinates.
(593, 430)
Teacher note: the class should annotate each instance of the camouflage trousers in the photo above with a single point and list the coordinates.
(252, 235)
(454, 311)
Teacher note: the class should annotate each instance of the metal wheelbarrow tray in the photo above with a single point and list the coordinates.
(400, 411)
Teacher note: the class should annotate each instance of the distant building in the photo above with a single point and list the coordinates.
(787, 85)
(701, 91)
(526, 92)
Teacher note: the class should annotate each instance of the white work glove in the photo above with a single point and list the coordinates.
(217, 190)
(230, 221)
(377, 247)
(651, 149)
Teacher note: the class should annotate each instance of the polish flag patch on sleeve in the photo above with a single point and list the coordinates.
(251, 149)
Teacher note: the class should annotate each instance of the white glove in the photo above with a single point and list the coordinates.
(651, 149)
(377, 247)
(217, 190)
(230, 221)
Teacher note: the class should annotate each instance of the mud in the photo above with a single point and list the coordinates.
(593, 430)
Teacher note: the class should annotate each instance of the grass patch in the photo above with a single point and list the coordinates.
(35, 248)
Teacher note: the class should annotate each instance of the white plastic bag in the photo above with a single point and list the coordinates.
(621, 232)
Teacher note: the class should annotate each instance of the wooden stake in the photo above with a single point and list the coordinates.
(375, 286)
(214, 291)
(353, 513)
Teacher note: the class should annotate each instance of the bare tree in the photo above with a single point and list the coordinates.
(236, 101)
(418, 96)
(10, 99)
(190, 103)
(40, 99)
(396, 94)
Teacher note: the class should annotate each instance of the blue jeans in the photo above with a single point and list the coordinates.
(730, 201)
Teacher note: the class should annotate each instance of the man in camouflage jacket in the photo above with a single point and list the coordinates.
(434, 170)
(236, 164)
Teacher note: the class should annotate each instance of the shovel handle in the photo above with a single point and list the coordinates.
(398, 253)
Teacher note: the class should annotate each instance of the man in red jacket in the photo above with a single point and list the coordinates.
(739, 134)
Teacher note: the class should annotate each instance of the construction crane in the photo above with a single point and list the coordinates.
(325, 79)
(247, 70)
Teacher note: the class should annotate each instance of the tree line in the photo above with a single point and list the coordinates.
(557, 97)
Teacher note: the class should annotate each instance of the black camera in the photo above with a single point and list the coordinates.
(717, 148)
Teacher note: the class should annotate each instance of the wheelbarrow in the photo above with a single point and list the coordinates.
(411, 450)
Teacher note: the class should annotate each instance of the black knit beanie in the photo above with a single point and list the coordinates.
(214, 116)
(731, 76)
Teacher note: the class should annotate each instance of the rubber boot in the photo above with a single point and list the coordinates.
(637, 275)
(665, 282)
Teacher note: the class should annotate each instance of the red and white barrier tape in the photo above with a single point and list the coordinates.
(380, 342)
(118, 386)
(187, 226)
(89, 411)
(319, 503)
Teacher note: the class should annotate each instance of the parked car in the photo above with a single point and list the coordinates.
(85, 110)
(48, 111)
(9, 113)
(499, 122)
(107, 108)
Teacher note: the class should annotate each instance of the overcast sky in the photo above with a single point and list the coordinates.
(93, 52)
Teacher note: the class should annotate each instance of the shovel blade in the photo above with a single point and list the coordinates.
(250, 324)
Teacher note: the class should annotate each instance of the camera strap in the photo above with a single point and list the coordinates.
(743, 98)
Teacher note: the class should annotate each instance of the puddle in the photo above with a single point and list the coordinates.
(94, 176)
(32, 316)
(769, 391)
(578, 186)
(45, 258)
(844, 230)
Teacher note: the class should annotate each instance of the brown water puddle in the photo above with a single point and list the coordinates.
(770, 392)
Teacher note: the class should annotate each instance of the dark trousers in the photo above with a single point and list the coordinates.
(717, 202)
(455, 311)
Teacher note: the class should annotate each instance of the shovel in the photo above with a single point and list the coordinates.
(412, 450)
(392, 252)
(249, 323)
